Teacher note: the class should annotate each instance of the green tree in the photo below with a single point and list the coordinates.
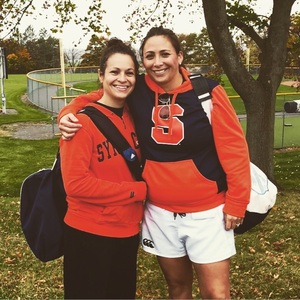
(19, 60)
(197, 50)
(46, 51)
(92, 54)
(190, 47)
(197, 47)
(43, 48)
(27, 51)
(73, 58)
(28, 36)
(294, 41)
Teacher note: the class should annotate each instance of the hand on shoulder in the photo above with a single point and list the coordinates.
(68, 126)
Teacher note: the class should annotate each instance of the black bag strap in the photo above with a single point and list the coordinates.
(112, 133)
(200, 87)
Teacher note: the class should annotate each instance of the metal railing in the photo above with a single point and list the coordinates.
(44, 85)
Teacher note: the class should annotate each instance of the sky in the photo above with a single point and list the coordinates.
(116, 9)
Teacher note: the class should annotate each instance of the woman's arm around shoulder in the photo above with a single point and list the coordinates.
(67, 122)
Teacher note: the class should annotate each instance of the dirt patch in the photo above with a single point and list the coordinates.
(30, 131)
(291, 83)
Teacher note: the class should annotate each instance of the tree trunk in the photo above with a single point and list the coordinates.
(259, 96)
(260, 129)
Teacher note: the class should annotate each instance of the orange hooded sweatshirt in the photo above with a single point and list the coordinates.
(103, 197)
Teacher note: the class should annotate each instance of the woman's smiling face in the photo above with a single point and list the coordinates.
(118, 79)
(161, 62)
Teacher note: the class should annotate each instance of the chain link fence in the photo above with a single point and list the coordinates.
(45, 90)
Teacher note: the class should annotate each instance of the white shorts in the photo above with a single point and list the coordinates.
(201, 235)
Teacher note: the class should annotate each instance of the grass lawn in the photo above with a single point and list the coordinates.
(267, 264)
(15, 87)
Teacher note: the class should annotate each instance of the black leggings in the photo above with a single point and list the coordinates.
(98, 267)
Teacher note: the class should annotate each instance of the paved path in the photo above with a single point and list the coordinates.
(30, 131)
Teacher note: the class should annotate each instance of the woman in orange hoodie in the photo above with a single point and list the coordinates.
(105, 202)
(196, 166)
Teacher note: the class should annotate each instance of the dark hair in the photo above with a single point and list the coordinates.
(168, 33)
(114, 46)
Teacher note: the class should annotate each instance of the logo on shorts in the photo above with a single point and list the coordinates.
(148, 243)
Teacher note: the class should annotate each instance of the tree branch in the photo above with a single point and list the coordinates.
(12, 27)
(248, 30)
(221, 39)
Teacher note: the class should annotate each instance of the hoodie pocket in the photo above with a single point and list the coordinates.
(127, 214)
(173, 183)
